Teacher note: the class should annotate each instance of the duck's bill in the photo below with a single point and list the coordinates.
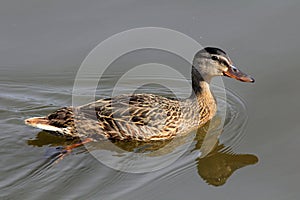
(235, 73)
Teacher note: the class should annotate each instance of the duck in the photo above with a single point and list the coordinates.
(146, 117)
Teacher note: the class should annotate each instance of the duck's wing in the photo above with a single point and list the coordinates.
(134, 117)
(140, 116)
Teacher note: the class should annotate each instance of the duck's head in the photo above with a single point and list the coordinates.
(212, 61)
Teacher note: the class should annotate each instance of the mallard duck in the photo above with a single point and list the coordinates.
(146, 117)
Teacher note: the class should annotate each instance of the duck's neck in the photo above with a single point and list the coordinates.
(201, 90)
(199, 84)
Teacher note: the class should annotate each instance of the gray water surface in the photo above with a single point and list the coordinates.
(42, 45)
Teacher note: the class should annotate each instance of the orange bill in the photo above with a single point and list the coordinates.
(235, 73)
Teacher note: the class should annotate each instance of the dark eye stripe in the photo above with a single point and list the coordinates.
(224, 62)
(221, 60)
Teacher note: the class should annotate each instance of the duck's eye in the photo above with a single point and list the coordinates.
(214, 57)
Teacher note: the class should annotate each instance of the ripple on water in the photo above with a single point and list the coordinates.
(235, 120)
(28, 168)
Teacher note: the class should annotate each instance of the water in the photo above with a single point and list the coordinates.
(29, 158)
(43, 44)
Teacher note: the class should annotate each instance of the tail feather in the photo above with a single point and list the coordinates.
(43, 123)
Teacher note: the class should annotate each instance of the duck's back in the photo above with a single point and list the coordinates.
(126, 117)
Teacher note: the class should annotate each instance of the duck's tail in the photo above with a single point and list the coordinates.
(43, 123)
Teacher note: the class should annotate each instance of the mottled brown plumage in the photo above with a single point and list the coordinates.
(143, 117)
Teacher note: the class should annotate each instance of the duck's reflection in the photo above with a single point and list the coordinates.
(215, 164)
(217, 167)
(219, 161)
